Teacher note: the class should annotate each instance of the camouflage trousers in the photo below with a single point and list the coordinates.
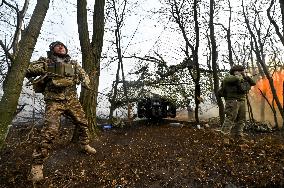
(53, 111)
(235, 117)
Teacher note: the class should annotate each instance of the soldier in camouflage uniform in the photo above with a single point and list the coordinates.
(58, 77)
(235, 87)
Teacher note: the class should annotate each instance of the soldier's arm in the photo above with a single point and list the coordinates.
(83, 76)
(36, 68)
(231, 79)
(250, 80)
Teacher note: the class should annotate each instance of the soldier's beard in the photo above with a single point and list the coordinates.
(60, 55)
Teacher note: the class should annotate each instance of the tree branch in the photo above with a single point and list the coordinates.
(6, 51)
(277, 29)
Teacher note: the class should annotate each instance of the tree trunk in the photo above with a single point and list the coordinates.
(195, 59)
(228, 35)
(91, 55)
(14, 79)
(214, 62)
(97, 45)
(261, 74)
(262, 108)
(87, 64)
(120, 62)
(112, 100)
(195, 73)
(276, 27)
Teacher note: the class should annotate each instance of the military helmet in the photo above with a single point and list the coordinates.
(53, 44)
(236, 68)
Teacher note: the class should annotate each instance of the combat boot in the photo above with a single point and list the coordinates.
(36, 173)
(88, 149)
(227, 140)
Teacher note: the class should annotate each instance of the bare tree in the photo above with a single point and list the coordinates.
(91, 55)
(273, 22)
(118, 20)
(19, 64)
(214, 58)
(191, 47)
(258, 48)
(13, 47)
(228, 34)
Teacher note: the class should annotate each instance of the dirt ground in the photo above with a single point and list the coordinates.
(148, 154)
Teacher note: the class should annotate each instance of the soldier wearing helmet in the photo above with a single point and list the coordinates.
(58, 48)
(58, 77)
(234, 88)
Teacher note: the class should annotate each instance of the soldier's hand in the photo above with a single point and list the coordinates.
(246, 77)
(239, 75)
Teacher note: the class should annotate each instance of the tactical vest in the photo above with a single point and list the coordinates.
(61, 69)
(59, 74)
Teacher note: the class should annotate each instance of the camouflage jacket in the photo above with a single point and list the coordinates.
(236, 87)
(57, 77)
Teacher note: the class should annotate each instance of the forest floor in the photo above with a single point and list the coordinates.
(148, 154)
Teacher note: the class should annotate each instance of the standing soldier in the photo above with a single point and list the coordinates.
(58, 77)
(234, 88)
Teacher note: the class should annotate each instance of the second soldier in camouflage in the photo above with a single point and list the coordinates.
(235, 86)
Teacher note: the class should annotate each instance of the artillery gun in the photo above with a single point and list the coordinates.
(155, 107)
